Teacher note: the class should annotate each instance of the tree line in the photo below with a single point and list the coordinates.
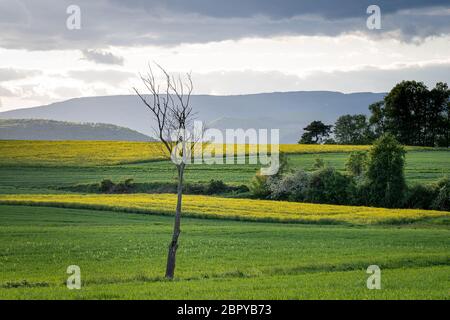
(412, 113)
(375, 178)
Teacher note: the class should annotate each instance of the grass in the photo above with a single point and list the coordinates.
(421, 167)
(122, 256)
(323, 255)
(159, 171)
(20, 179)
(237, 209)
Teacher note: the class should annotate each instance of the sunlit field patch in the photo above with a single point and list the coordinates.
(227, 208)
(91, 153)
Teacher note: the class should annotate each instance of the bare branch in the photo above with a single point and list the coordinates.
(169, 105)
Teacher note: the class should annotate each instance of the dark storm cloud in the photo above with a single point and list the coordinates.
(277, 9)
(41, 25)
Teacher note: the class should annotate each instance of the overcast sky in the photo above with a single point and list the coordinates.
(231, 47)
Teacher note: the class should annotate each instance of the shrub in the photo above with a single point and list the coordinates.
(290, 187)
(356, 163)
(420, 197)
(361, 192)
(443, 182)
(442, 200)
(260, 186)
(328, 186)
(107, 186)
(241, 189)
(215, 187)
(191, 188)
(124, 187)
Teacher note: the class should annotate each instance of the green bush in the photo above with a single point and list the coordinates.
(215, 187)
(241, 189)
(126, 186)
(191, 188)
(442, 200)
(360, 192)
(328, 186)
(107, 186)
(443, 182)
(420, 197)
(260, 186)
(356, 163)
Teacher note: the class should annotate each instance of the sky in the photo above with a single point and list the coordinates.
(230, 47)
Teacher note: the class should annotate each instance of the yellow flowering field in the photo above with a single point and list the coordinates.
(75, 153)
(227, 208)
(88, 153)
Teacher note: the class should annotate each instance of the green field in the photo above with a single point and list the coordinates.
(122, 256)
(421, 166)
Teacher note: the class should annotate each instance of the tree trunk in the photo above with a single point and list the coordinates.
(173, 246)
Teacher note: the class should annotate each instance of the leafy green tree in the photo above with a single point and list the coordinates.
(329, 141)
(414, 114)
(316, 132)
(377, 120)
(385, 172)
(405, 112)
(447, 127)
(352, 129)
(438, 116)
(356, 163)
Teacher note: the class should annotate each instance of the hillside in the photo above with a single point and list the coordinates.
(287, 111)
(36, 129)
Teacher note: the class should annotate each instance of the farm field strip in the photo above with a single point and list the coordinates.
(420, 167)
(228, 208)
(122, 256)
(26, 179)
(92, 153)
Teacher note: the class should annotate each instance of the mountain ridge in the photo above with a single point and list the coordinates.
(38, 129)
(288, 111)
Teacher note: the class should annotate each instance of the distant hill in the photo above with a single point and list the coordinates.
(35, 129)
(287, 111)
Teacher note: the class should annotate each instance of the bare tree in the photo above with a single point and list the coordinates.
(169, 103)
